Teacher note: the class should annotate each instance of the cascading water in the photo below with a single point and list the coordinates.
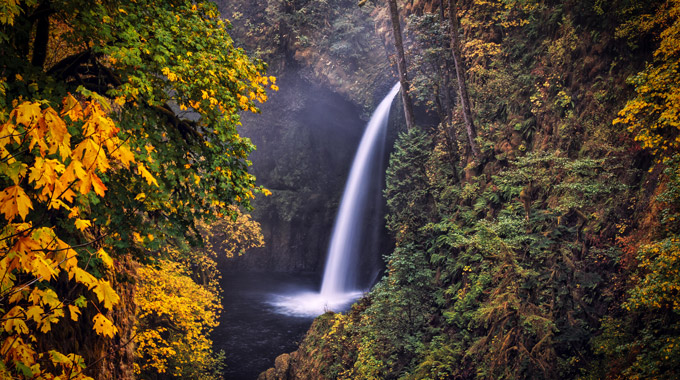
(339, 276)
(339, 286)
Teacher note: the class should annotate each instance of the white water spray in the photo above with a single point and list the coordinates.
(339, 286)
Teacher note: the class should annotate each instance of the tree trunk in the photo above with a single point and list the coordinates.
(401, 64)
(460, 75)
(42, 33)
(445, 73)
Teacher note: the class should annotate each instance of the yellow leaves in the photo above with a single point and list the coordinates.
(14, 322)
(13, 202)
(44, 174)
(123, 154)
(97, 184)
(149, 148)
(36, 150)
(43, 268)
(243, 102)
(146, 175)
(172, 77)
(661, 284)
(235, 235)
(35, 313)
(72, 108)
(26, 113)
(106, 259)
(91, 181)
(105, 293)
(97, 125)
(168, 291)
(91, 155)
(74, 312)
(654, 114)
(82, 224)
(137, 237)
(84, 277)
(103, 326)
(15, 170)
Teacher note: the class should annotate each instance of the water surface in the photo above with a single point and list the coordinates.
(252, 331)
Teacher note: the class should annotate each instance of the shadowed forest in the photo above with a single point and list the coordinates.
(531, 200)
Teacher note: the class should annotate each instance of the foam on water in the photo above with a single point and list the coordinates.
(312, 304)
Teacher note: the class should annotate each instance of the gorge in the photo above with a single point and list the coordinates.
(168, 168)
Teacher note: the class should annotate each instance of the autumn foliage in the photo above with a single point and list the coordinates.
(52, 171)
(175, 318)
(102, 171)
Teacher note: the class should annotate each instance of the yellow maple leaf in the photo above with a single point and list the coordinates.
(74, 311)
(103, 326)
(14, 201)
(45, 172)
(25, 245)
(106, 259)
(56, 128)
(27, 113)
(74, 171)
(13, 320)
(43, 268)
(146, 175)
(91, 154)
(105, 293)
(9, 134)
(82, 224)
(83, 277)
(85, 184)
(98, 185)
(72, 108)
(35, 313)
(124, 155)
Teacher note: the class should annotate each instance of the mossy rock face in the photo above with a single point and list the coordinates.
(282, 365)
(269, 374)
(306, 136)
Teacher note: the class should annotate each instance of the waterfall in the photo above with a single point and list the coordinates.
(339, 287)
(340, 273)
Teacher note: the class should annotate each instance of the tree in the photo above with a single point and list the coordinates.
(654, 114)
(401, 64)
(460, 76)
(145, 146)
